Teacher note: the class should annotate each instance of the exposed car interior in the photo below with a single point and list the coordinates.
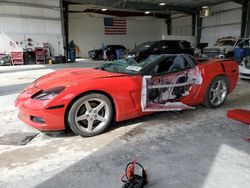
(171, 64)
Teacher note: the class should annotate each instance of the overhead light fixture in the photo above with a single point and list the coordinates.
(204, 7)
(162, 4)
(104, 9)
(205, 11)
(147, 12)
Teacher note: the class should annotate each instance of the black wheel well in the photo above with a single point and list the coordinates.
(79, 96)
(221, 75)
(226, 77)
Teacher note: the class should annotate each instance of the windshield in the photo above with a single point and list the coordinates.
(129, 65)
(225, 43)
(144, 46)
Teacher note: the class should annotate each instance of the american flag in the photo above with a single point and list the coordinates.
(115, 26)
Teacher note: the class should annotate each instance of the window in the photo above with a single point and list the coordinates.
(173, 45)
(225, 43)
(179, 64)
(170, 64)
(244, 44)
(158, 46)
(239, 41)
(144, 46)
(186, 44)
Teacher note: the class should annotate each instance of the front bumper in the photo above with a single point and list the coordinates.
(244, 72)
(2, 63)
(31, 110)
(206, 55)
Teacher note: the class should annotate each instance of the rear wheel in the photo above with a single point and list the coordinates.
(90, 115)
(217, 92)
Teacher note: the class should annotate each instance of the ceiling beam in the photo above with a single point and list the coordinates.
(156, 7)
(121, 13)
(238, 1)
(140, 6)
(16, 3)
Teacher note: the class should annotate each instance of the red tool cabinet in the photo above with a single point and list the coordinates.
(40, 55)
(16, 58)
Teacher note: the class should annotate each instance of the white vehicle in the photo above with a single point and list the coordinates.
(197, 52)
(223, 48)
(244, 43)
(244, 68)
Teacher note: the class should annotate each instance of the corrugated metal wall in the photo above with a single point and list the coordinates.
(182, 25)
(87, 31)
(225, 21)
(38, 20)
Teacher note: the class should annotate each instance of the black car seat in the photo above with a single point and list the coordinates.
(178, 64)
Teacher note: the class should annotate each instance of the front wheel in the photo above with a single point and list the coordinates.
(216, 93)
(90, 115)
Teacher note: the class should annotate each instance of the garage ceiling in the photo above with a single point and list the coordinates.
(184, 6)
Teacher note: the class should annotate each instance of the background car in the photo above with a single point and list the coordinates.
(109, 52)
(242, 50)
(146, 49)
(223, 48)
(5, 59)
(197, 52)
(244, 68)
(88, 100)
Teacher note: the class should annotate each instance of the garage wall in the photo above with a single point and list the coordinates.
(182, 24)
(87, 31)
(222, 24)
(41, 22)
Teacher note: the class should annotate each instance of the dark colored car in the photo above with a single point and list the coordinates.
(109, 52)
(5, 59)
(146, 49)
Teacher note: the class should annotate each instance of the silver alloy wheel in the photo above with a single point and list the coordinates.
(92, 115)
(218, 92)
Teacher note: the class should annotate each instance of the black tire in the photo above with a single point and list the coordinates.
(91, 116)
(208, 102)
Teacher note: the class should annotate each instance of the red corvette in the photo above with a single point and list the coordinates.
(86, 100)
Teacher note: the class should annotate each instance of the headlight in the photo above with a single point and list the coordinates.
(48, 94)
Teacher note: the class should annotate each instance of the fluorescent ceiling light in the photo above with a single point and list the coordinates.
(204, 7)
(147, 12)
(104, 9)
(162, 4)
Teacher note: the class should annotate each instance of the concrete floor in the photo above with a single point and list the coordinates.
(196, 148)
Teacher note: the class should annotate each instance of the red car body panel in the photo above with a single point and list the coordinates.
(123, 89)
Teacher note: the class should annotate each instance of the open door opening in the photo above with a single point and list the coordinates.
(164, 92)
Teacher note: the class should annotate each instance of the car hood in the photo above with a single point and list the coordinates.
(218, 47)
(68, 77)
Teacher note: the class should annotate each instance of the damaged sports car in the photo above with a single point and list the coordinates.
(87, 100)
